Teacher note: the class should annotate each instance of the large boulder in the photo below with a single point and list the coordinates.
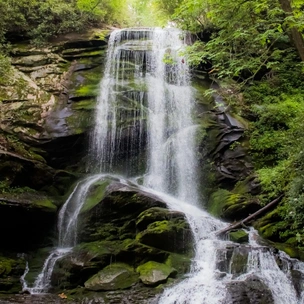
(249, 291)
(11, 268)
(116, 223)
(113, 277)
(153, 273)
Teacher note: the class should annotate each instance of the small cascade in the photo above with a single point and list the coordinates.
(67, 231)
(264, 264)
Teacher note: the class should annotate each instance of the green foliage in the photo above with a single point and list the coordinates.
(6, 189)
(40, 20)
(249, 38)
(277, 146)
(5, 68)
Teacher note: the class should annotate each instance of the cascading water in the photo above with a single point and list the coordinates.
(144, 131)
(67, 230)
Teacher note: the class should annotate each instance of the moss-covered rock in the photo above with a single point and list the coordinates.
(156, 214)
(10, 271)
(116, 211)
(174, 235)
(269, 225)
(95, 196)
(238, 236)
(231, 206)
(153, 273)
(113, 277)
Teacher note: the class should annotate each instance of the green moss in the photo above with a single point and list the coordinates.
(181, 262)
(24, 150)
(153, 273)
(217, 202)
(87, 105)
(79, 122)
(10, 271)
(230, 205)
(100, 34)
(290, 250)
(239, 236)
(113, 277)
(96, 194)
(270, 225)
(6, 266)
(87, 91)
(157, 227)
(100, 248)
(45, 204)
(171, 235)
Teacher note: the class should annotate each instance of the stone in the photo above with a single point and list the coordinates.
(113, 277)
(170, 235)
(11, 268)
(118, 204)
(153, 273)
(156, 214)
(231, 206)
(249, 291)
(27, 219)
(238, 236)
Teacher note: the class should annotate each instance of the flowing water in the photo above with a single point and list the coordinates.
(144, 131)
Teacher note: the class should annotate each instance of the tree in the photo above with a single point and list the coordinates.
(295, 34)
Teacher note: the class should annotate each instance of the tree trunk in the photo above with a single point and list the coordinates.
(295, 35)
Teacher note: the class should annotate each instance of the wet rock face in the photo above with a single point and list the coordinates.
(123, 224)
(11, 268)
(153, 273)
(249, 291)
(46, 112)
(113, 277)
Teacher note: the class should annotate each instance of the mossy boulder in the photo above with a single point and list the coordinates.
(153, 273)
(232, 206)
(156, 214)
(113, 225)
(113, 277)
(269, 225)
(180, 262)
(96, 193)
(238, 236)
(174, 235)
(111, 206)
(10, 271)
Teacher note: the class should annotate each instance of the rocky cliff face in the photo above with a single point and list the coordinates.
(46, 109)
(45, 116)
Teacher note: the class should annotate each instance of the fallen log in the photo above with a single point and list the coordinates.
(250, 217)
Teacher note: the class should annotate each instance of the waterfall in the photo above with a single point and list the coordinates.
(161, 121)
(144, 131)
(67, 235)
